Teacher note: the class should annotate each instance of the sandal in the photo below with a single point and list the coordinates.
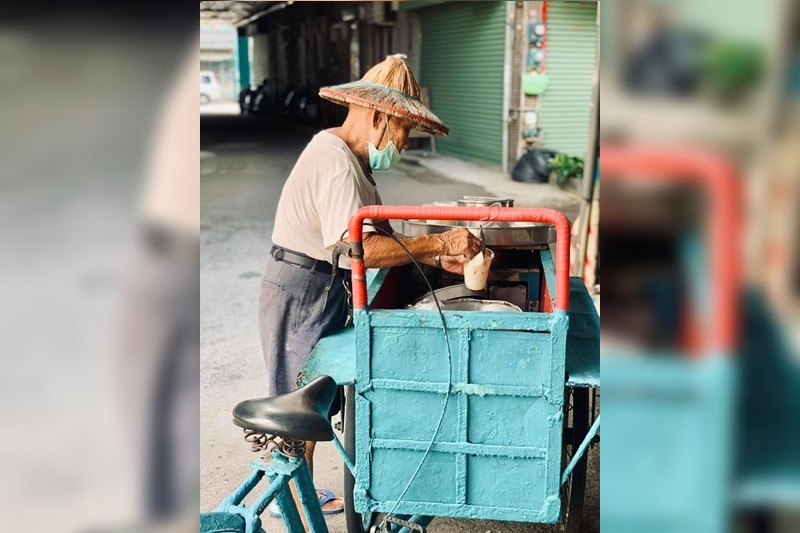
(325, 497)
(328, 496)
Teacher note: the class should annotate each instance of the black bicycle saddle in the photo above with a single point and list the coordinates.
(300, 414)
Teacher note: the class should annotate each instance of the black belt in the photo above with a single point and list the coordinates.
(315, 265)
(282, 254)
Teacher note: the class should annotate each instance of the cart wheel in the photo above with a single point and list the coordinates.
(576, 426)
(356, 522)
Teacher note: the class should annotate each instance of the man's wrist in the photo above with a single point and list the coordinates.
(440, 245)
(438, 261)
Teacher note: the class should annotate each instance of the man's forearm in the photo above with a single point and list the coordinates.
(381, 251)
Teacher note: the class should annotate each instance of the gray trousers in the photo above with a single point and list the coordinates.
(294, 312)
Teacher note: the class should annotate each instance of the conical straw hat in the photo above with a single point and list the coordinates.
(391, 88)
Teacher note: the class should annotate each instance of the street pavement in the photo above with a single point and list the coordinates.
(223, 107)
(244, 163)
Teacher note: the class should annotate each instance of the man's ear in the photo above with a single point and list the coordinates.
(377, 116)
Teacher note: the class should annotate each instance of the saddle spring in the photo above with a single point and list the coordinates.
(262, 442)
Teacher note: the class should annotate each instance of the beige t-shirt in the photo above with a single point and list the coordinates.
(325, 189)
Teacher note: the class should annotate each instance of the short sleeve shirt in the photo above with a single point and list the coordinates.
(324, 190)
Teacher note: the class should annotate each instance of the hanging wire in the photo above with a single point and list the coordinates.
(449, 373)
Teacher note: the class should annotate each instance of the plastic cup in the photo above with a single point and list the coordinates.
(476, 270)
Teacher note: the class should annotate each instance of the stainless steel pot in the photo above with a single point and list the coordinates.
(474, 304)
(468, 304)
(451, 292)
(485, 201)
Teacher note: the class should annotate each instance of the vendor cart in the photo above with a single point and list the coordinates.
(481, 414)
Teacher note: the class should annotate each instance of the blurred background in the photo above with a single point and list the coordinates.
(700, 334)
(100, 191)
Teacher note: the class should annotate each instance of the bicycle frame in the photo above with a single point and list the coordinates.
(279, 472)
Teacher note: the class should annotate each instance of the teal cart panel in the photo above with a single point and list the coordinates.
(335, 355)
(498, 452)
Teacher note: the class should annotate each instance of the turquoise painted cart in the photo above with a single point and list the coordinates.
(476, 431)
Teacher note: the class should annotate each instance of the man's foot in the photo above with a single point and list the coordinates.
(329, 503)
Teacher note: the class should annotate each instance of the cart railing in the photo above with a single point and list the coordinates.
(720, 180)
(488, 214)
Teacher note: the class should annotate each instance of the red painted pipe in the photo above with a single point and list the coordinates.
(488, 214)
(718, 177)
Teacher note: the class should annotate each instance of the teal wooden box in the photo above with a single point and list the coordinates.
(498, 453)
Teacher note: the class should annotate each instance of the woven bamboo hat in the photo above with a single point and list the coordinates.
(391, 88)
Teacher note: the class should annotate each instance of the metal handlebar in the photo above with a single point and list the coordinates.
(488, 214)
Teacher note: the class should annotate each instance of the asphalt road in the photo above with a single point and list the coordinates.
(244, 162)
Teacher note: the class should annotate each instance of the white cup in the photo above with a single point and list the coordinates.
(476, 270)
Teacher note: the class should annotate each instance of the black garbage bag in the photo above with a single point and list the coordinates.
(533, 166)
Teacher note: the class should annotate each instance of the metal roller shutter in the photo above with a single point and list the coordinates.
(463, 48)
(564, 109)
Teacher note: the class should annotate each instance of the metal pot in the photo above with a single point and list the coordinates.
(467, 304)
(449, 293)
(485, 201)
(474, 304)
(443, 222)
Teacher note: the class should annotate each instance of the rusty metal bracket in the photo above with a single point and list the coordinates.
(411, 526)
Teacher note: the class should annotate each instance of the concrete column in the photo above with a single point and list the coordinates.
(242, 63)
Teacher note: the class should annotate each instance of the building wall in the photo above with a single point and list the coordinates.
(260, 59)
(303, 46)
(225, 72)
(217, 49)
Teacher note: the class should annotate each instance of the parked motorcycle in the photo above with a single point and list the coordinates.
(262, 100)
(301, 105)
(308, 107)
(246, 96)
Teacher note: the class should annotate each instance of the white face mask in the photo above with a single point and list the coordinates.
(383, 159)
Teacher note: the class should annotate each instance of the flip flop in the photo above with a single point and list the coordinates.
(327, 496)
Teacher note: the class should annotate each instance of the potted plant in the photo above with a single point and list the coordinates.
(566, 170)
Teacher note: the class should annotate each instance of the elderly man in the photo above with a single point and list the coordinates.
(331, 180)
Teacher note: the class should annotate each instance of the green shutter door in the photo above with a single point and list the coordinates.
(569, 62)
(463, 48)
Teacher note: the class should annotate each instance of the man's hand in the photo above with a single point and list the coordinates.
(458, 242)
(453, 264)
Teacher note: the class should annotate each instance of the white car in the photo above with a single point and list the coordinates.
(209, 87)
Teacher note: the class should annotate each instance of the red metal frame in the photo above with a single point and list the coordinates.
(722, 182)
(499, 214)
